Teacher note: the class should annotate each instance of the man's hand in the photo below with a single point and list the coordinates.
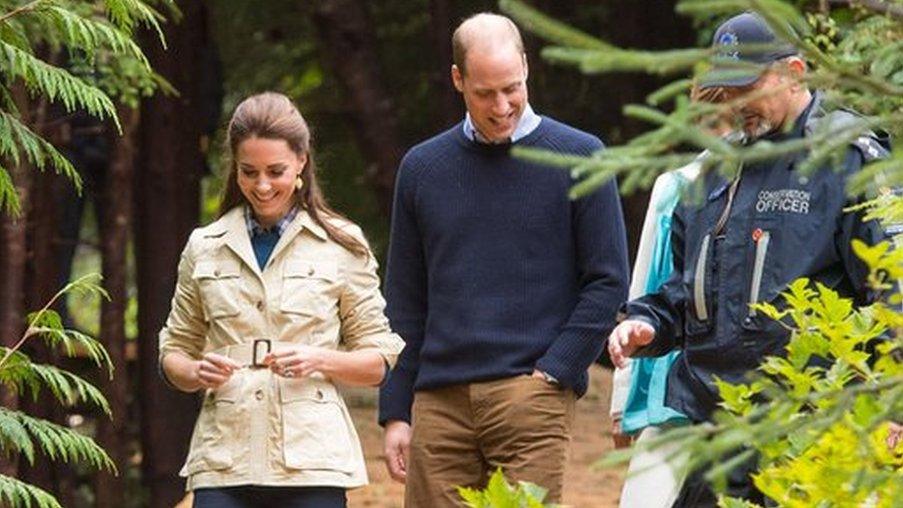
(618, 437)
(626, 338)
(397, 443)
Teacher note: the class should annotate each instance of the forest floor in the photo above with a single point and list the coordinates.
(585, 487)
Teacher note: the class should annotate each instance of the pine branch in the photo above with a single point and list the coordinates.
(14, 437)
(56, 83)
(9, 199)
(89, 35)
(15, 493)
(63, 443)
(548, 28)
(126, 14)
(20, 10)
(877, 6)
(16, 137)
(66, 387)
(47, 322)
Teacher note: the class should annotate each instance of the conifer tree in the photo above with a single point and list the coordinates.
(78, 56)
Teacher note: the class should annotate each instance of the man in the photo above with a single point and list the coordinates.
(502, 287)
(749, 239)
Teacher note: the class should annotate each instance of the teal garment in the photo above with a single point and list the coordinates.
(645, 404)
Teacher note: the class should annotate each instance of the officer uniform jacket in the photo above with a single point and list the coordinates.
(260, 428)
(783, 225)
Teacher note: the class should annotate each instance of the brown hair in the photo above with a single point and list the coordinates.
(271, 115)
(480, 26)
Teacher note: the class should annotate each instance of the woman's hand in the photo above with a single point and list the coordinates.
(300, 361)
(214, 370)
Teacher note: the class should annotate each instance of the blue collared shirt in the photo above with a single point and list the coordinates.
(528, 122)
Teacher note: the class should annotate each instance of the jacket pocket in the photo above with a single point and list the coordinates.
(219, 284)
(315, 428)
(218, 430)
(307, 287)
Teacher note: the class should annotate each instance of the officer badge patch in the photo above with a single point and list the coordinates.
(728, 43)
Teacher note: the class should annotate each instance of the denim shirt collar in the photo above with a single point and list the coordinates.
(255, 229)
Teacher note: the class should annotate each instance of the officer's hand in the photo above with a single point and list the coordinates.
(397, 444)
(626, 338)
(214, 370)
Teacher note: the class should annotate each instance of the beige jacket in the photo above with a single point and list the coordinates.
(260, 428)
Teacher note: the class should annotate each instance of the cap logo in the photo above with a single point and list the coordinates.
(729, 42)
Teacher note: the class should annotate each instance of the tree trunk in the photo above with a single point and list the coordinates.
(449, 108)
(349, 46)
(167, 194)
(114, 208)
(12, 288)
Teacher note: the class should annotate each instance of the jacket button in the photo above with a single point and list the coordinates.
(260, 305)
(747, 321)
(259, 394)
(216, 273)
(310, 271)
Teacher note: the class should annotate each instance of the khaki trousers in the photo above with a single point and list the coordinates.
(462, 433)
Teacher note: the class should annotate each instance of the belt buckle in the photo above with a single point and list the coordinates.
(255, 364)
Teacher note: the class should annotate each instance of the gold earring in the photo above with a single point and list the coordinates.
(299, 183)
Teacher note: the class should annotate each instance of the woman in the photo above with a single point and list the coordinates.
(276, 300)
(638, 405)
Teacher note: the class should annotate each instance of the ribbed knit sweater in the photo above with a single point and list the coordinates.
(493, 271)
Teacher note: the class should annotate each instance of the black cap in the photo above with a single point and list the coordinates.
(745, 38)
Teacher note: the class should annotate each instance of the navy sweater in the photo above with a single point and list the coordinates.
(493, 271)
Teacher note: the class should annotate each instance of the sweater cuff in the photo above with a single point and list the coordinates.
(396, 396)
(570, 356)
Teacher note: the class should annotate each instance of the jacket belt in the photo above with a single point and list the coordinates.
(251, 354)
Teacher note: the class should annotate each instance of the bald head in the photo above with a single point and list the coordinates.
(486, 33)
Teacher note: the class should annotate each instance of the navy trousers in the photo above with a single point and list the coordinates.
(284, 497)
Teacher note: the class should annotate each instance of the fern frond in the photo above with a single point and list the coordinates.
(14, 438)
(16, 137)
(24, 377)
(88, 35)
(126, 14)
(62, 443)
(9, 200)
(75, 343)
(16, 493)
(16, 373)
(55, 83)
(68, 388)
(13, 32)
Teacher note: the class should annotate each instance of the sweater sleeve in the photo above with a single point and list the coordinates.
(601, 256)
(406, 297)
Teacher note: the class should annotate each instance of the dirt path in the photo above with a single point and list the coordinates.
(585, 487)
